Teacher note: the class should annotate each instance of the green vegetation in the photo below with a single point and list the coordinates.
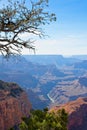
(44, 120)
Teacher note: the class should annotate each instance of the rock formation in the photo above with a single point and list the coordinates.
(77, 111)
(13, 105)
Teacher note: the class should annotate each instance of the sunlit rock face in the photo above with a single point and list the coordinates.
(77, 111)
(13, 105)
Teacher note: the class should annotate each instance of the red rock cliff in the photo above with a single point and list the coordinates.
(77, 111)
(13, 105)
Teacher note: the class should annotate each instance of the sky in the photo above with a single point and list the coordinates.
(68, 35)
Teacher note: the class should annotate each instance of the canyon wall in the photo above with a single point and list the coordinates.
(13, 105)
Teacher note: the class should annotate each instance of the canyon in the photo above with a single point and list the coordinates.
(46, 81)
(47, 76)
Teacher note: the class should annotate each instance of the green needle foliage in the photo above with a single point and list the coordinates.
(44, 120)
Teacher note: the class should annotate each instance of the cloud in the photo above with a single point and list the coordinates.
(68, 45)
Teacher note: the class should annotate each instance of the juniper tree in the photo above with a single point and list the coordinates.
(21, 17)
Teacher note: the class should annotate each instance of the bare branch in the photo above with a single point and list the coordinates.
(16, 18)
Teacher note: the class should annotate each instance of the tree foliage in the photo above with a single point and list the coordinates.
(20, 17)
(43, 120)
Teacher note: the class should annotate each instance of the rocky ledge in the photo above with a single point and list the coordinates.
(77, 111)
(13, 105)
